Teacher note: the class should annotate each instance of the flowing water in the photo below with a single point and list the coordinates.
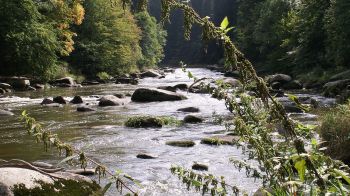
(103, 137)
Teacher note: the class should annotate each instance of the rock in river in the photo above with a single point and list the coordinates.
(76, 100)
(219, 140)
(60, 100)
(181, 143)
(192, 119)
(152, 94)
(150, 74)
(145, 156)
(110, 100)
(47, 101)
(200, 167)
(68, 81)
(189, 109)
(282, 78)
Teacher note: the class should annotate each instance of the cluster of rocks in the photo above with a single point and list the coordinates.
(338, 87)
(8, 84)
(283, 82)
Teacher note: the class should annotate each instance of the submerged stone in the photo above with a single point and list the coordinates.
(181, 143)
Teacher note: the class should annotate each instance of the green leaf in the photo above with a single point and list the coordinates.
(224, 23)
(196, 183)
(24, 113)
(105, 189)
(301, 167)
(190, 75)
(228, 29)
(343, 175)
(67, 159)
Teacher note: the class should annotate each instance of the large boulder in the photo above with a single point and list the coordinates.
(19, 181)
(65, 82)
(6, 113)
(16, 82)
(151, 94)
(9, 177)
(332, 89)
(282, 78)
(150, 74)
(110, 100)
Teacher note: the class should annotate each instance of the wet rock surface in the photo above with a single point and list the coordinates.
(110, 100)
(192, 119)
(151, 95)
(182, 143)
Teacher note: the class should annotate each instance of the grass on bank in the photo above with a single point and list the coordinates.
(335, 131)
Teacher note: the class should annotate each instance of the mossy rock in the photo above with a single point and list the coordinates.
(150, 121)
(183, 143)
(219, 140)
(59, 188)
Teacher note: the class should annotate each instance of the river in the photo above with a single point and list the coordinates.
(102, 135)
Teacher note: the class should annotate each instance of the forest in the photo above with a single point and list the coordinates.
(173, 97)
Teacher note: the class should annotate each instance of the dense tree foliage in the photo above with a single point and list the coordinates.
(50, 38)
(35, 34)
(107, 41)
(153, 40)
(295, 36)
